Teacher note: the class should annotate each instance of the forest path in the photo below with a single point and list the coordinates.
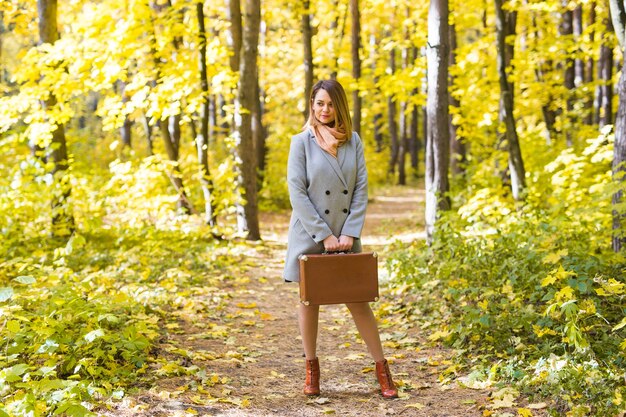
(250, 362)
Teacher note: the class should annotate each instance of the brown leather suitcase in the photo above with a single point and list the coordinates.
(338, 278)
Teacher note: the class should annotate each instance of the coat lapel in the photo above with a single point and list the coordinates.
(332, 161)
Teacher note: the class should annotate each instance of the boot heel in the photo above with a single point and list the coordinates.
(312, 381)
(387, 387)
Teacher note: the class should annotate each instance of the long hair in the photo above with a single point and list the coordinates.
(343, 121)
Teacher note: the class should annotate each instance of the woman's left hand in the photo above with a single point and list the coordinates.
(345, 242)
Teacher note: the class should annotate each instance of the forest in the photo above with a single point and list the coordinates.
(144, 203)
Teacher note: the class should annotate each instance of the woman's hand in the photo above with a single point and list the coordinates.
(331, 244)
(345, 242)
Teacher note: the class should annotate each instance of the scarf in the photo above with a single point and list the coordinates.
(328, 138)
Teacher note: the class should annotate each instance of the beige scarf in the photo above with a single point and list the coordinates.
(329, 138)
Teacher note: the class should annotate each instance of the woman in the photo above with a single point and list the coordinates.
(327, 182)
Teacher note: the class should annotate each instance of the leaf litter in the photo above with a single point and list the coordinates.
(230, 346)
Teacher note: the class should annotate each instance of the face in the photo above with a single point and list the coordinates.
(323, 107)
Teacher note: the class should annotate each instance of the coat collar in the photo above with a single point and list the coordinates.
(334, 162)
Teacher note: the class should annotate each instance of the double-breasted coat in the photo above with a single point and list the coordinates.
(328, 196)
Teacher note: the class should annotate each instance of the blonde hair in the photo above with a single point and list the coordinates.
(343, 121)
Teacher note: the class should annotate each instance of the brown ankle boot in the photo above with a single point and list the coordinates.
(387, 387)
(312, 381)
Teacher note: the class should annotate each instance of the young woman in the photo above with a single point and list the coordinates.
(327, 182)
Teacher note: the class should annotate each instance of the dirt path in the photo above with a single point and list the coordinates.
(251, 364)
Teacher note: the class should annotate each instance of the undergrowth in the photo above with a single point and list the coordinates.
(530, 293)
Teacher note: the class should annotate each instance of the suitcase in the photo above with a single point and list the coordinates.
(338, 278)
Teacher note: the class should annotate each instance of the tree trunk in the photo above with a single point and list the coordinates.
(202, 139)
(334, 25)
(566, 29)
(605, 108)
(548, 112)
(619, 164)
(247, 99)
(356, 65)
(579, 64)
(618, 20)
(259, 133)
(404, 112)
(234, 33)
(308, 56)
(414, 143)
(391, 115)
(378, 117)
(438, 139)
(516, 164)
(125, 129)
(62, 216)
(619, 147)
(148, 129)
(458, 154)
(170, 128)
(588, 71)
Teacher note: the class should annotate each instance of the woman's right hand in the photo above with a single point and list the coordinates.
(331, 244)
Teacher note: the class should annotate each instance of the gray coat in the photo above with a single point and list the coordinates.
(328, 196)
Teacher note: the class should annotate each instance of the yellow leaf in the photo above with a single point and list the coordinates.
(524, 412)
(537, 406)
(439, 334)
(244, 305)
(267, 316)
(328, 411)
(417, 406)
(565, 294)
(555, 257)
(550, 279)
(191, 411)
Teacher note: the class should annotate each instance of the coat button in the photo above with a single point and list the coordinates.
(313, 236)
(345, 210)
(345, 191)
(327, 192)
(326, 211)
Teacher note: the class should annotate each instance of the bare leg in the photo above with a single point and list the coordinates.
(366, 324)
(307, 318)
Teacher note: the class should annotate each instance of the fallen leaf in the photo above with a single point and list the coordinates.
(537, 406)
(244, 305)
(355, 356)
(524, 412)
(321, 400)
(417, 406)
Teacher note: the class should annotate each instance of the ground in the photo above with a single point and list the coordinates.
(251, 362)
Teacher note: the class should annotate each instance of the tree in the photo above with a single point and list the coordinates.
(438, 139)
(247, 95)
(457, 147)
(170, 125)
(566, 30)
(308, 56)
(62, 216)
(356, 65)
(516, 163)
(619, 148)
(202, 139)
